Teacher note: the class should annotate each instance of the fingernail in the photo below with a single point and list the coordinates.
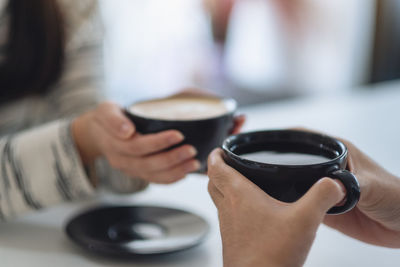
(193, 166)
(126, 129)
(175, 138)
(187, 153)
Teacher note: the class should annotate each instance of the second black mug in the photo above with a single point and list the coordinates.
(286, 163)
(205, 121)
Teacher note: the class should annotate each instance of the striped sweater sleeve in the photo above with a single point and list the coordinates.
(39, 168)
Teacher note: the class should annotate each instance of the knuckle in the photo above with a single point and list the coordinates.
(135, 148)
(326, 185)
(168, 159)
(158, 143)
(215, 168)
(210, 163)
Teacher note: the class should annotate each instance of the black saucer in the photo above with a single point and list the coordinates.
(136, 230)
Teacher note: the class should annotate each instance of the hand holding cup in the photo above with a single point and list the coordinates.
(107, 132)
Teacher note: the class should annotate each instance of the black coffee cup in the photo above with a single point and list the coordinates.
(205, 132)
(286, 163)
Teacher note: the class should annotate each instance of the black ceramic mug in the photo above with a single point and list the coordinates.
(286, 163)
(205, 121)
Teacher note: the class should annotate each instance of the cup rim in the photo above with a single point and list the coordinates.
(230, 103)
(228, 140)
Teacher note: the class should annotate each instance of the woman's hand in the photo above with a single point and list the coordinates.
(376, 218)
(106, 131)
(258, 230)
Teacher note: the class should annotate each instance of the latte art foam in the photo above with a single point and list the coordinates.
(180, 108)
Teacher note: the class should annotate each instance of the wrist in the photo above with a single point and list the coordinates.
(82, 134)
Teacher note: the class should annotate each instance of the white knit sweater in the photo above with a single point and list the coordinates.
(40, 165)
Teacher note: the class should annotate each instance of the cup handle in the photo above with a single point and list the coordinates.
(352, 188)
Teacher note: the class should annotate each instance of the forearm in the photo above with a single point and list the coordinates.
(39, 168)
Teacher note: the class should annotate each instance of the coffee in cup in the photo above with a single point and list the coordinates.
(181, 108)
(284, 157)
(286, 163)
(205, 121)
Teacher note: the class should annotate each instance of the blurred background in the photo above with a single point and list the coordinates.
(252, 50)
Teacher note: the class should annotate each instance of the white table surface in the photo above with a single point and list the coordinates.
(369, 118)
